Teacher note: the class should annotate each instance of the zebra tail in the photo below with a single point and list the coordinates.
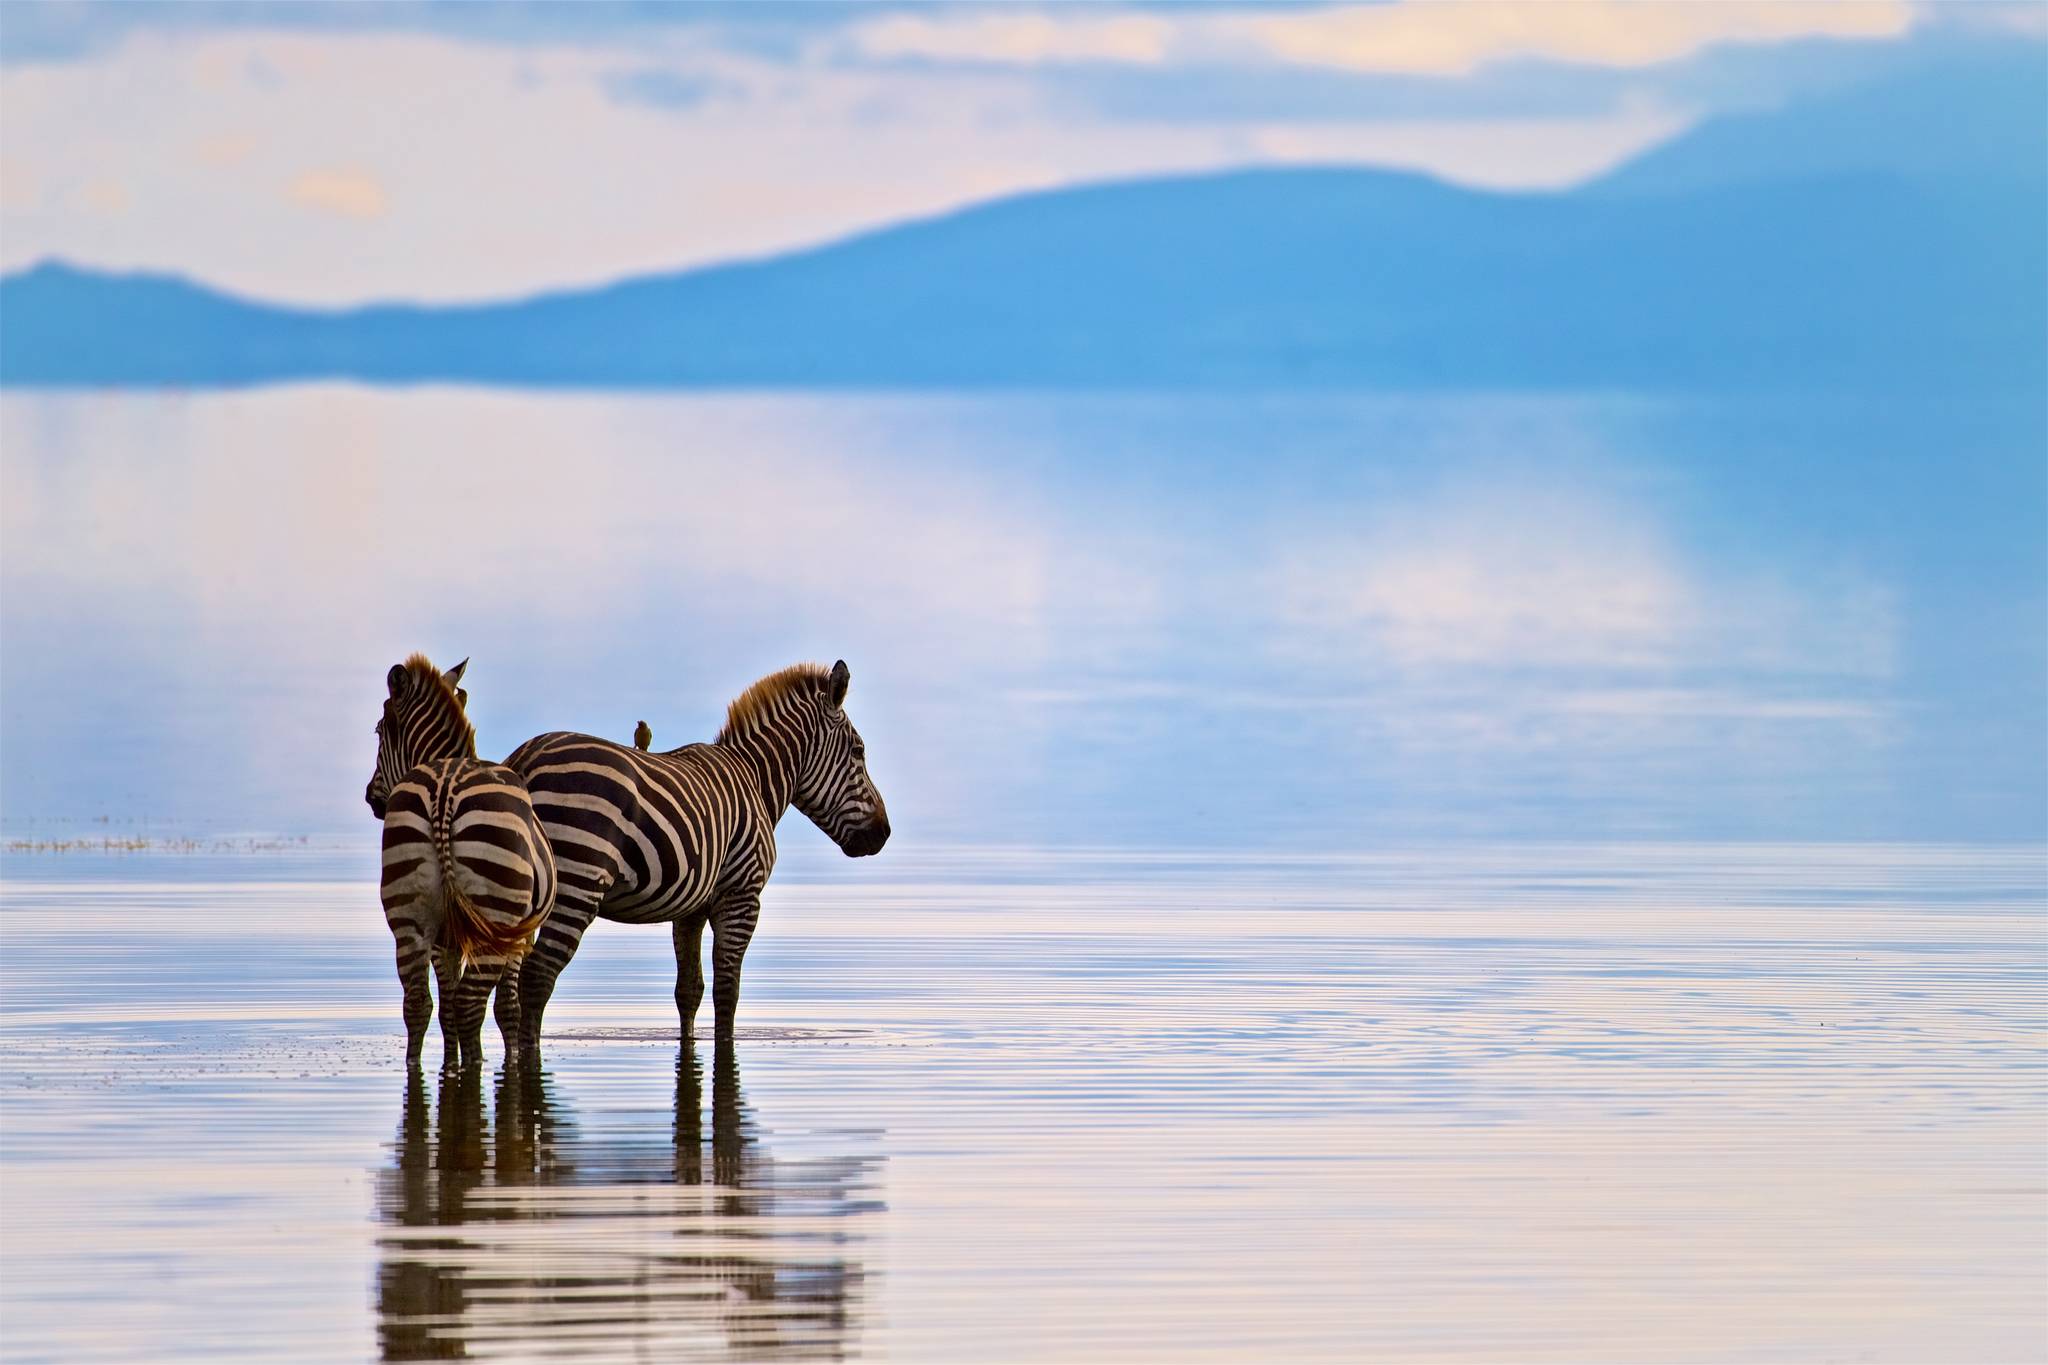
(476, 934)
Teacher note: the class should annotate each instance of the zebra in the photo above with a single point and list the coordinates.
(468, 874)
(687, 837)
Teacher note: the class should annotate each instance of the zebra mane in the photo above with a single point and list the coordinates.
(750, 707)
(427, 679)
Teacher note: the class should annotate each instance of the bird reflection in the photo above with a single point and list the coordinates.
(509, 1231)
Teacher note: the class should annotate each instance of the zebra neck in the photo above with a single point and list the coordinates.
(442, 751)
(448, 746)
(775, 758)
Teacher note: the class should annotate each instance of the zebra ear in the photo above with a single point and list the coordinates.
(462, 699)
(840, 677)
(394, 679)
(454, 675)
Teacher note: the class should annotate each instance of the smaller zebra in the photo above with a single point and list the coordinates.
(468, 874)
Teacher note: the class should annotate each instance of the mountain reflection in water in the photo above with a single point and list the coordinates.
(507, 1230)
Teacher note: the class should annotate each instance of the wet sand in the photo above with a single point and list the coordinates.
(1681, 1103)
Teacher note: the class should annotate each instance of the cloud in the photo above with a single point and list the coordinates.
(106, 196)
(663, 88)
(1458, 39)
(1411, 37)
(224, 149)
(1403, 35)
(19, 190)
(2029, 19)
(353, 194)
(1010, 38)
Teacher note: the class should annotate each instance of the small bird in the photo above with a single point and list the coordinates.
(642, 736)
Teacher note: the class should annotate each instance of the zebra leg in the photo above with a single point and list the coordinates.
(447, 983)
(689, 937)
(552, 948)
(413, 973)
(505, 1008)
(732, 928)
(472, 998)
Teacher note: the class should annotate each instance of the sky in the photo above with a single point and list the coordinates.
(342, 153)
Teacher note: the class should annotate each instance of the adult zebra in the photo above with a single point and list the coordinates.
(687, 837)
(468, 873)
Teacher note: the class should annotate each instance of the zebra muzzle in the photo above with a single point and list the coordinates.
(868, 841)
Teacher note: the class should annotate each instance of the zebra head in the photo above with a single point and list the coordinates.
(832, 784)
(425, 718)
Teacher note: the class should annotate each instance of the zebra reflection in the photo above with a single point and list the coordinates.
(513, 1232)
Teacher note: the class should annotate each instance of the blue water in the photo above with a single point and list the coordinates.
(1168, 620)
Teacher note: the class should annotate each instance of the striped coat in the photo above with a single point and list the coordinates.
(687, 837)
(467, 874)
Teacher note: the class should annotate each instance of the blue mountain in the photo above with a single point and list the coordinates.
(1859, 243)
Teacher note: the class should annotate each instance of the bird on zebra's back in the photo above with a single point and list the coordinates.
(468, 872)
(643, 738)
(687, 837)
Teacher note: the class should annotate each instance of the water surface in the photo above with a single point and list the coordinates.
(1308, 619)
(1537, 1102)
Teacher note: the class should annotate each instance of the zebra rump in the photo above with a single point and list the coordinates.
(496, 871)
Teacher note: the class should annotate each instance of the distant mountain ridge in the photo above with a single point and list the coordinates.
(1772, 251)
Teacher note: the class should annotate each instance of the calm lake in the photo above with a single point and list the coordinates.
(1712, 1102)
(1400, 877)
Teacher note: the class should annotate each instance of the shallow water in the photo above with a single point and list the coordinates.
(1636, 1103)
